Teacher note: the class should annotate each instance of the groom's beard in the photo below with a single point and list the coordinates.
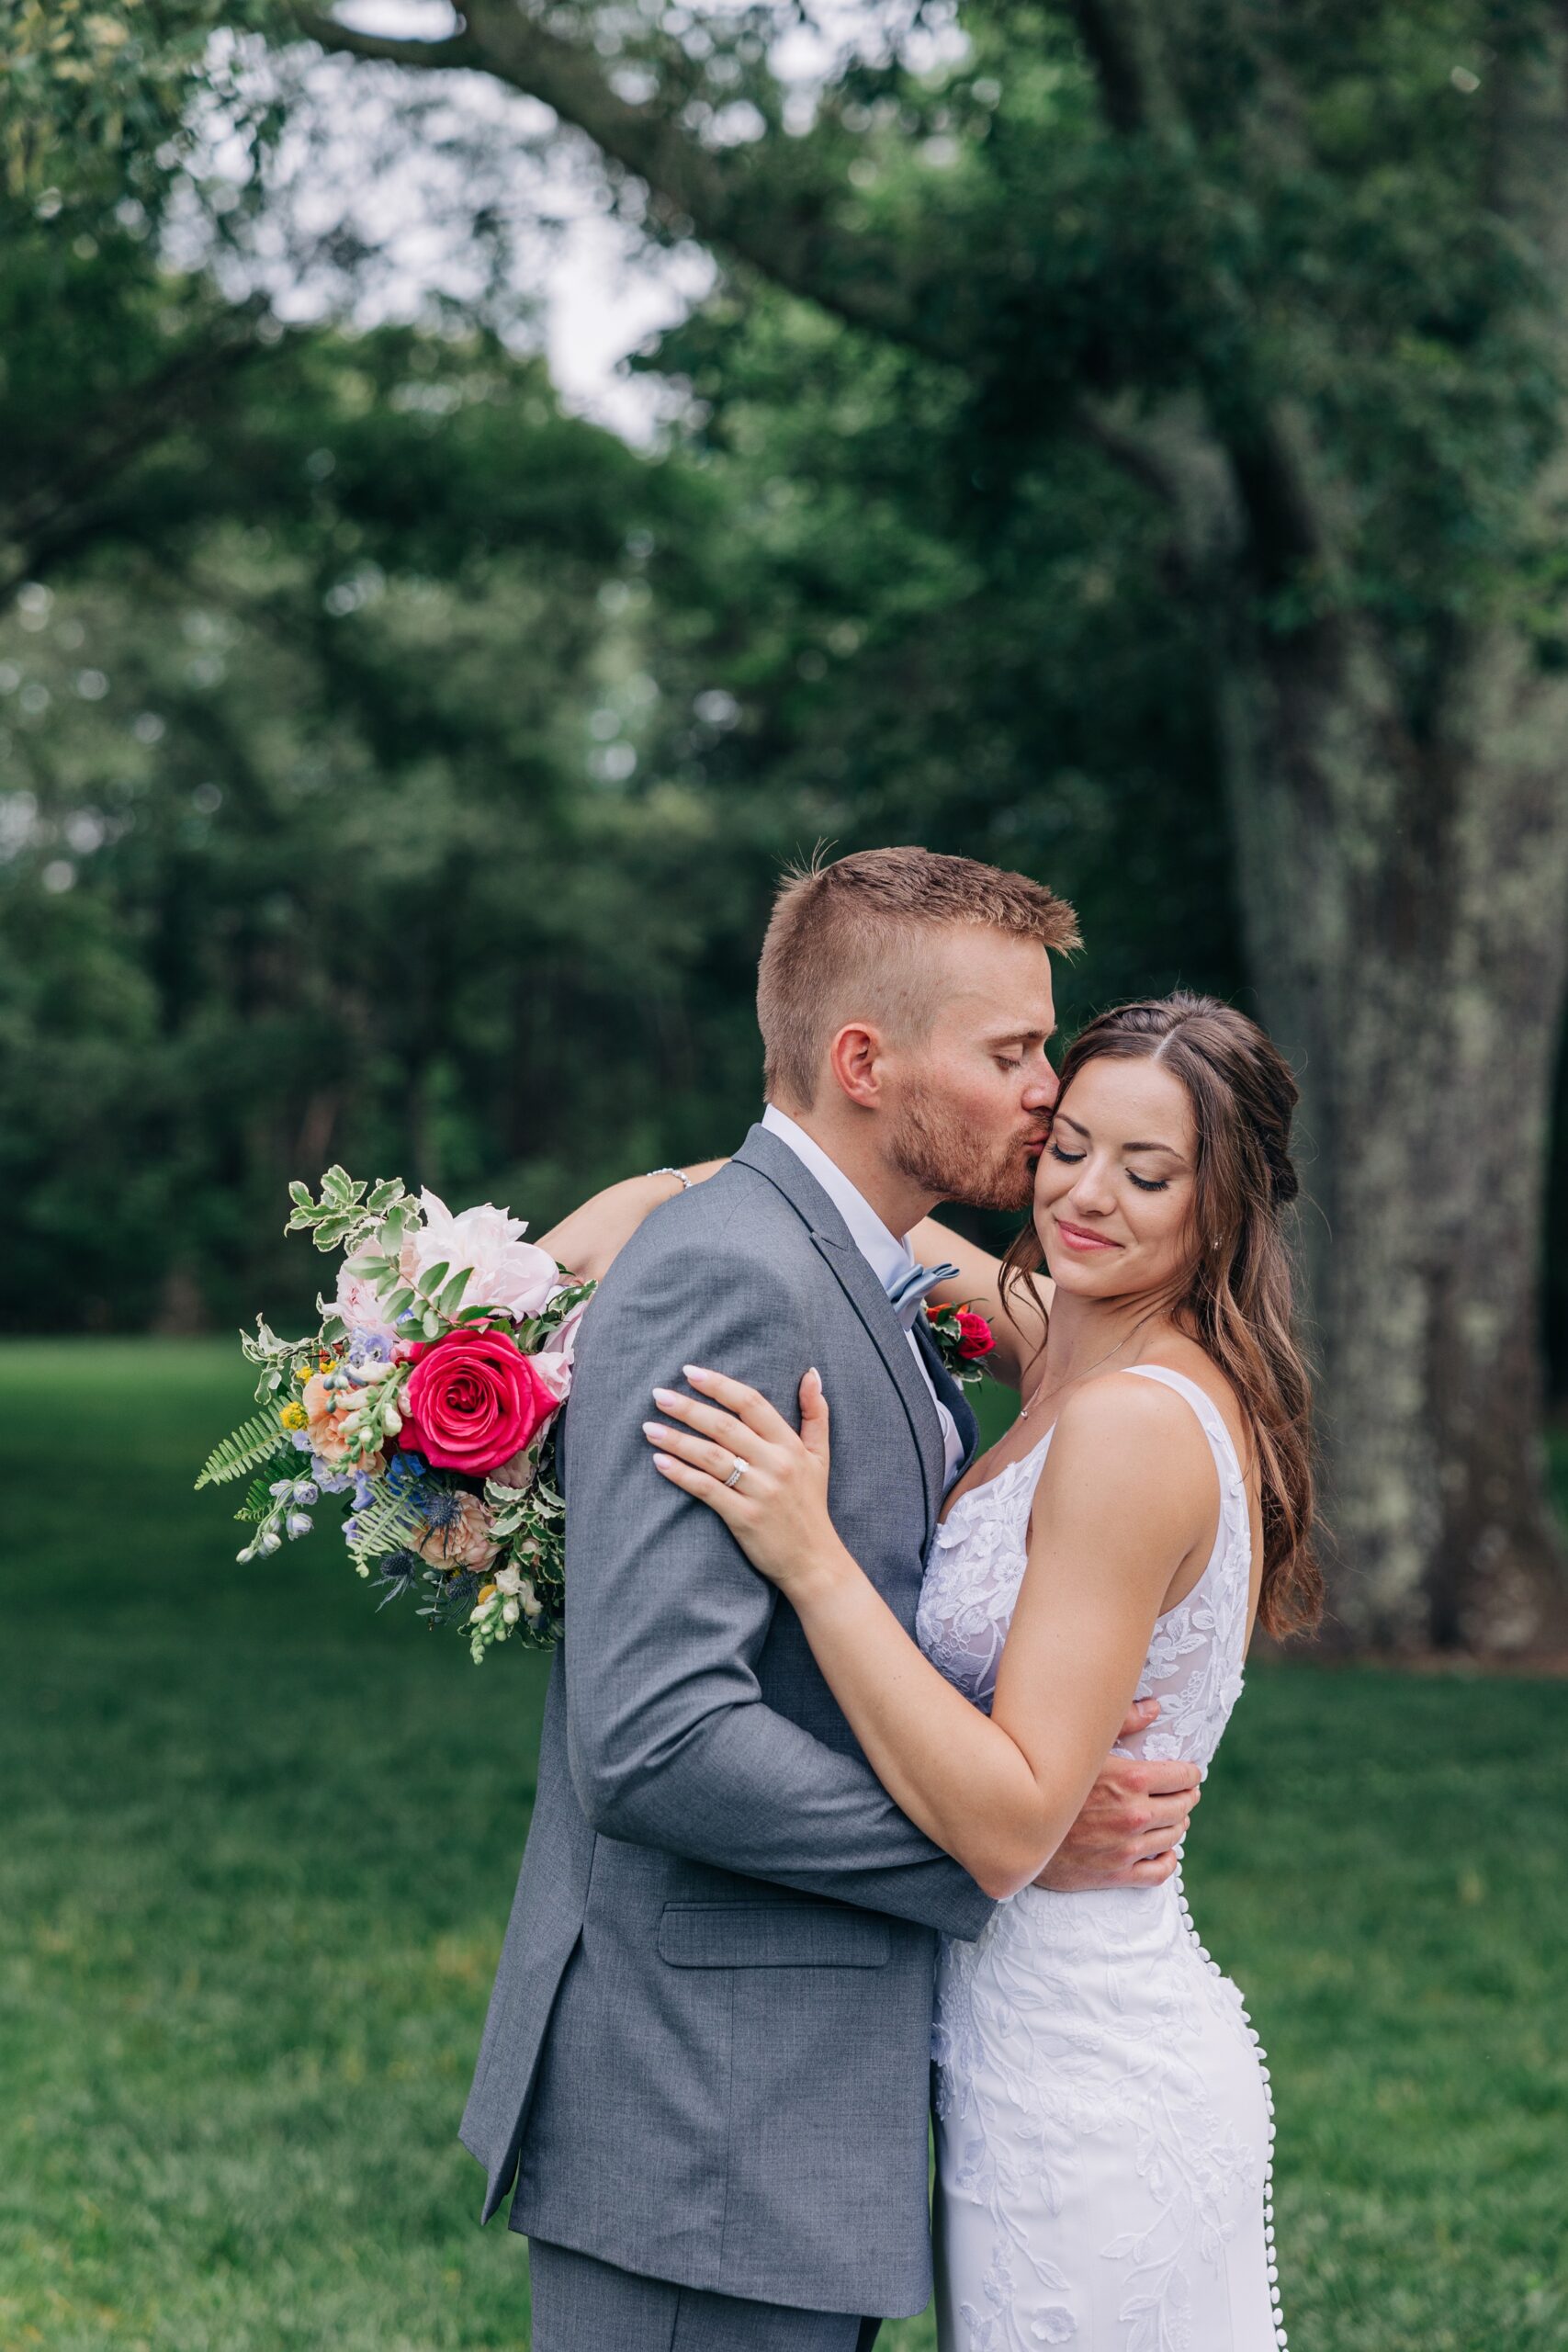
(933, 1145)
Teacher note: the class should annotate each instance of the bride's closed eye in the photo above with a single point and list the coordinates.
(1143, 1184)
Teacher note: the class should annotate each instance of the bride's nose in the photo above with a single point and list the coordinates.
(1092, 1193)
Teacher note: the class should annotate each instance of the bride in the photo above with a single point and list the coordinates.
(1104, 2128)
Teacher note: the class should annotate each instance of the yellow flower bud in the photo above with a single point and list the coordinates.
(293, 1416)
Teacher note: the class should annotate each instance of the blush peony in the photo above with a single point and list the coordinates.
(472, 1401)
(504, 1270)
(360, 1304)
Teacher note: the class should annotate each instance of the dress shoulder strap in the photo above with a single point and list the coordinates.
(1233, 1486)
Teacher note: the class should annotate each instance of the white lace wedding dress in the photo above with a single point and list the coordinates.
(1104, 2128)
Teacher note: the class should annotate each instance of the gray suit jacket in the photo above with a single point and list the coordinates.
(706, 2053)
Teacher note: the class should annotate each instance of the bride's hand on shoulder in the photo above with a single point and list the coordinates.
(777, 1509)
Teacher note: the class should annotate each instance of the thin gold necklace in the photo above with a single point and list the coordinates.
(1041, 1389)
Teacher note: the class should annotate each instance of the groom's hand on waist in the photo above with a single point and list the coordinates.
(1131, 1825)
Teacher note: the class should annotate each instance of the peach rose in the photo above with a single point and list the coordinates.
(326, 1410)
(464, 1540)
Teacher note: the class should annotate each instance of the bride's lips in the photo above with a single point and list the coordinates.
(1078, 1237)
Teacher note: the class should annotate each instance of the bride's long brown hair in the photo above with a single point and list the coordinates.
(1238, 1299)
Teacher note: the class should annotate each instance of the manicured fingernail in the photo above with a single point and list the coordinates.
(662, 1462)
(667, 1398)
(654, 1429)
(696, 1372)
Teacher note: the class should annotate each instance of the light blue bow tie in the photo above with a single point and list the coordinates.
(906, 1293)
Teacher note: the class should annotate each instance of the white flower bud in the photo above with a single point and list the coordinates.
(512, 1610)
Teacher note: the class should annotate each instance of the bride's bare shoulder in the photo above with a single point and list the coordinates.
(1174, 1352)
(1130, 1460)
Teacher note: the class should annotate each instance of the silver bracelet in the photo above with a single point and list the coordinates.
(685, 1179)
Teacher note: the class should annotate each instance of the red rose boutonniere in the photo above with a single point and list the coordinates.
(963, 1340)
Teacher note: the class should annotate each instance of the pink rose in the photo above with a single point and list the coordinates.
(976, 1335)
(472, 1401)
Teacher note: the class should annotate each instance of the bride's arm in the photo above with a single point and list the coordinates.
(1018, 1325)
(1121, 1501)
(588, 1240)
(590, 1237)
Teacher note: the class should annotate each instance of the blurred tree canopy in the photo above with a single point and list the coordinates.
(1122, 443)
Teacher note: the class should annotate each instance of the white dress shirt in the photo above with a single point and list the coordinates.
(885, 1253)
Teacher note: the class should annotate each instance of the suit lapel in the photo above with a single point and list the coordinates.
(951, 1392)
(770, 1157)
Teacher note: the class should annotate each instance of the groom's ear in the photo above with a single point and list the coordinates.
(857, 1061)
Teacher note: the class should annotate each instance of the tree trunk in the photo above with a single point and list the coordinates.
(1406, 909)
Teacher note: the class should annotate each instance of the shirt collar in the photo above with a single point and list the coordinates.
(886, 1255)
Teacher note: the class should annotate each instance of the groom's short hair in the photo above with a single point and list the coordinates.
(846, 940)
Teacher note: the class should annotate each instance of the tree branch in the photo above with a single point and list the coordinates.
(1175, 454)
(63, 511)
(1273, 465)
(787, 232)
(1125, 47)
(425, 56)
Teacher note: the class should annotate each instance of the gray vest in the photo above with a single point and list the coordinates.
(706, 2053)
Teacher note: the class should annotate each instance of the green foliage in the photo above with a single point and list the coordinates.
(260, 1848)
(389, 1524)
(349, 1213)
(258, 1505)
(256, 1441)
(445, 751)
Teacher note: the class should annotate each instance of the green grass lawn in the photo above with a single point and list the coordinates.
(259, 1847)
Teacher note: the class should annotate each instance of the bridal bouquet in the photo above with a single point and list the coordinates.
(428, 1400)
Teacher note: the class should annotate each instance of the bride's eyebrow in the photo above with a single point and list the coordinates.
(1063, 1120)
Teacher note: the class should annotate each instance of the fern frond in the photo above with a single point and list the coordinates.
(259, 1503)
(385, 1525)
(257, 1440)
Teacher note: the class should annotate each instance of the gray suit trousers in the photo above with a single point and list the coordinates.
(584, 2305)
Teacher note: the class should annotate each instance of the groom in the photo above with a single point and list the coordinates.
(705, 2060)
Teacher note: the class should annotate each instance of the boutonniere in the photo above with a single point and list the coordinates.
(962, 1338)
